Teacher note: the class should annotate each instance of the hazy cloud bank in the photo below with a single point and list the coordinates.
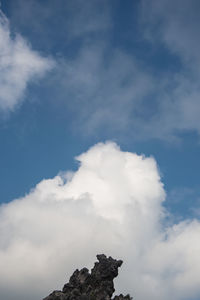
(111, 204)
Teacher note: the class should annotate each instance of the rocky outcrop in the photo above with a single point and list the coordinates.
(97, 285)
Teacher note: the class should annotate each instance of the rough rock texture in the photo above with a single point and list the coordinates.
(97, 285)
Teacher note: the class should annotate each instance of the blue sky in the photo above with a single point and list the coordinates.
(77, 73)
(47, 127)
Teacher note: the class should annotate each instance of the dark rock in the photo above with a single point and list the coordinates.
(97, 285)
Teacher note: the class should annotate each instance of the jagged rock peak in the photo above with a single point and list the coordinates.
(97, 285)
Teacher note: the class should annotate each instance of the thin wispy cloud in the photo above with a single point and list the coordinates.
(19, 65)
(175, 25)
(107, 86)
(103, 94)
(71, 20)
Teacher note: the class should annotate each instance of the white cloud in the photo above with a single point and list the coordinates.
(111, 204)
(19, 64)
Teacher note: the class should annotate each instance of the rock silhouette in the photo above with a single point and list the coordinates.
(97, 285)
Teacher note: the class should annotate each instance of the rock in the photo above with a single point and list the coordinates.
(97, 285)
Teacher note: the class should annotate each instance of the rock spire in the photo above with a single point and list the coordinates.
(97, 285)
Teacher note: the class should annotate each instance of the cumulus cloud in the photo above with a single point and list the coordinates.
(19, 64)
(111, 204)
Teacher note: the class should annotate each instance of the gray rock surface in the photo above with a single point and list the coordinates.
(97, 285)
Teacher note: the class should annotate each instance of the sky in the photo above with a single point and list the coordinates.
(99, 144)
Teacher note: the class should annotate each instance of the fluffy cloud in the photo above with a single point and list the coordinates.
(19, 64)
(111, 204)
